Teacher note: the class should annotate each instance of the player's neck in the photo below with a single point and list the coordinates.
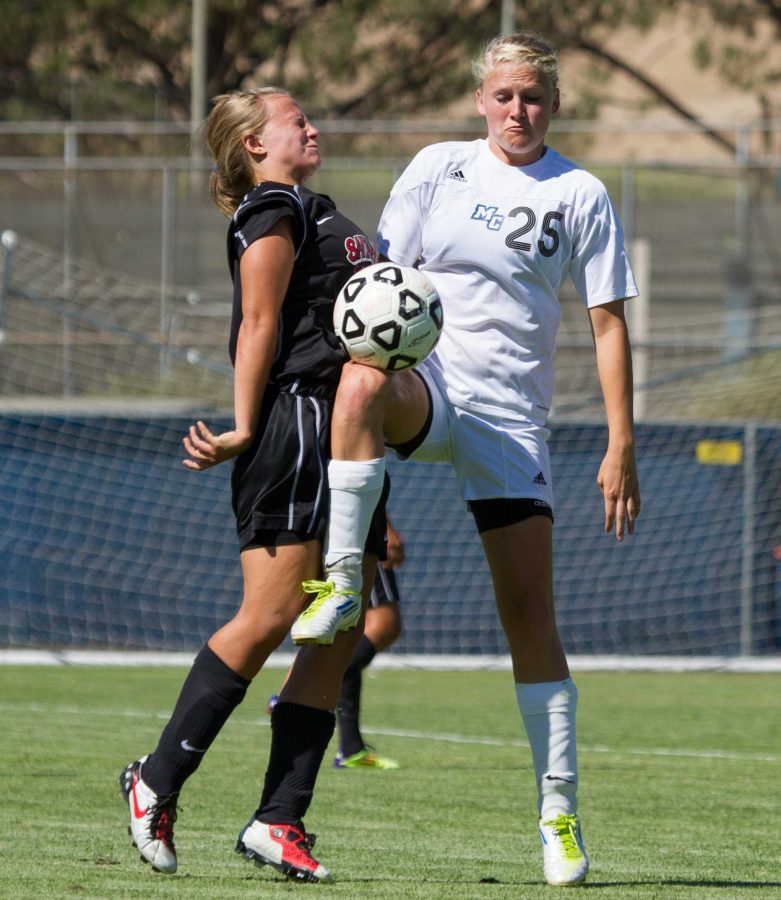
(516, 159)
(278, 174)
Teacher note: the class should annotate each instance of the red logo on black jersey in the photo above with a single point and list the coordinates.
(360, 249)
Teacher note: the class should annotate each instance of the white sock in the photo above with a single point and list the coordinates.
(548, 711)
(356, 487)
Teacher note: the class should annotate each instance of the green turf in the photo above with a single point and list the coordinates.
(680, 789)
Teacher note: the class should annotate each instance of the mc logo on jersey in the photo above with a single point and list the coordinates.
(550, 237)
(488, 214)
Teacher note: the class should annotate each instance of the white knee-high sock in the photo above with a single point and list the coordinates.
(548, 710)
(356, 487)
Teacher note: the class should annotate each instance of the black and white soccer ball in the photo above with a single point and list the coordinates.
(388, 316)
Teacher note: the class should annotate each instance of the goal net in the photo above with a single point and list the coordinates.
(106, 540)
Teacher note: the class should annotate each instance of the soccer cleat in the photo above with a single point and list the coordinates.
(284, 847)
(364, 759)
(151, 819)
(331, 611)
(564, 857)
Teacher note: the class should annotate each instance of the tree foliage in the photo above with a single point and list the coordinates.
(97, 59)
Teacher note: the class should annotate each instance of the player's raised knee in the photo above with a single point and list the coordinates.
(361, 387)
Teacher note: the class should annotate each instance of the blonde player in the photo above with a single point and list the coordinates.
(498, 224)
(289, 252)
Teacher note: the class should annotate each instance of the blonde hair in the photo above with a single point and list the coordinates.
(521, 47)
(233, 115)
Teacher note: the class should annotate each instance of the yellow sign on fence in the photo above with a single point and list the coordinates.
(720, 453)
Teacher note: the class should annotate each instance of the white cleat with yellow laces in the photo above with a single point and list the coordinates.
(330, 612)
(564, 857)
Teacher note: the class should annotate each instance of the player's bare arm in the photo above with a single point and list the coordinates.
(617, 478)
(265, 274)
(394, 548)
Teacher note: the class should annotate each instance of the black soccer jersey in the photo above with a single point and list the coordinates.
(329, 249)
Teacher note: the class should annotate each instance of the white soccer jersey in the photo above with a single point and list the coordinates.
(498, 241)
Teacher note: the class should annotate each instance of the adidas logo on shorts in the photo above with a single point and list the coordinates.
(457, 175)
(539, 478)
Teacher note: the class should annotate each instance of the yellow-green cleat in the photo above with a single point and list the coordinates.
(564, 857)
(364, 759)
(331, 611)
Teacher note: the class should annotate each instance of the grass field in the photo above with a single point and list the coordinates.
(680, 789)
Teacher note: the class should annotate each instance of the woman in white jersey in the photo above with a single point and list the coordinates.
(497, 225)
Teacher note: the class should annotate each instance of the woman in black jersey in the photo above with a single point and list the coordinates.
(289, 252)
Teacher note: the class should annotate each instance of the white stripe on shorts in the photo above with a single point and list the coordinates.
(321, 483)
(299, 463)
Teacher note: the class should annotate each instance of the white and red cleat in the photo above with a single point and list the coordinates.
(284, 847)
(151, 819)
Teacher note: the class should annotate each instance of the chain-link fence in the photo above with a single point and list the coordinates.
(115, 284)
(114, 312)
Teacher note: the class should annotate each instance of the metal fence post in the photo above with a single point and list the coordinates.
(639, 320)
(628, 202)
(748, 555)
(8, 242)
(167, 238)
(70, 154)
(198, 79)
(738, 299)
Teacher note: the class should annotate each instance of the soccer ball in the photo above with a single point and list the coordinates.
(388, 316)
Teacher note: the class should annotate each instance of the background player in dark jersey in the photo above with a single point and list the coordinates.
(382, 627)
(289, 252)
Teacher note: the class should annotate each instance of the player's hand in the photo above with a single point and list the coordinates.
(206, 449)
(394, 549)
(618, 481)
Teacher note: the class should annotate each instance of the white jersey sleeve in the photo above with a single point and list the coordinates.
(400, 232)
(599, 266)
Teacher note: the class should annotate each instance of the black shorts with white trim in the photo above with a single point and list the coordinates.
(385, 588)
(280, 483)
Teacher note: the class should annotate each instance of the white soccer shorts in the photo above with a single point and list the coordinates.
(491, 457)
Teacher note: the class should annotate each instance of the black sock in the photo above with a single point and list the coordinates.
(348, 708)
(210, 693)
(299, 737)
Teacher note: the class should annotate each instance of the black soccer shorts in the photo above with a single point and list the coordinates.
(280, 483)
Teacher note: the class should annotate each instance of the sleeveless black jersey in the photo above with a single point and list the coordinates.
(329, 249)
